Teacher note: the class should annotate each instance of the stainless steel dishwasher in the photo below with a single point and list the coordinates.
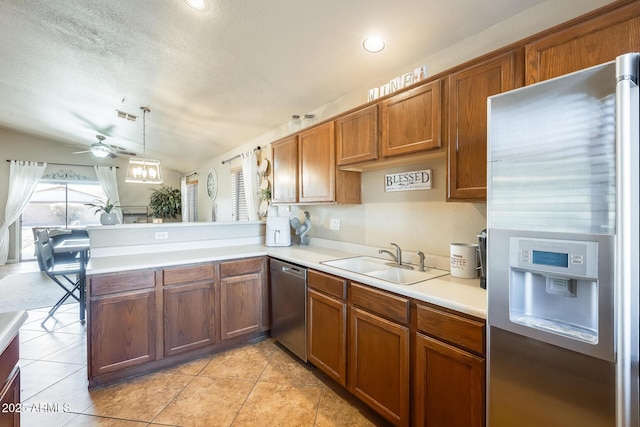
(289, 306)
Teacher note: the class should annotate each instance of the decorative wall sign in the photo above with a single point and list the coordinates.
(408, 181)
(398, 83)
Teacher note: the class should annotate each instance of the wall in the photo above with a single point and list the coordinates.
(419, 220)
(19, 146)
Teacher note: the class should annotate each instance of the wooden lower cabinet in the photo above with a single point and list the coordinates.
(449, 385)
(243, 301)
(188, 300)
(144, 320)
(327, 337)
(10, 388)
(379, 365)
(122, 330)
(412, 362)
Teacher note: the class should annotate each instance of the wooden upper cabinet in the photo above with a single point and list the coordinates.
(285, 170)
(594, 41)
(410, 121)
(357, 136)
(467, 148)
(317, 164)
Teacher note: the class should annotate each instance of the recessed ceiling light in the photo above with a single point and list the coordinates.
(197, 4)
(373, 44)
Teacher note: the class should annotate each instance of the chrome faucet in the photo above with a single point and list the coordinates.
(421, 255)
(397, 258)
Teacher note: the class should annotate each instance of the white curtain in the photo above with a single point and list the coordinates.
(186, 214)
(109, 182)
(250, 175)
(23, 179)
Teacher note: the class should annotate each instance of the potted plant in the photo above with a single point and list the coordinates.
(108, 216)
(166, 202)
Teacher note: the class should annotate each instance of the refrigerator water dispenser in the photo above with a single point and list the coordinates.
(553, 287)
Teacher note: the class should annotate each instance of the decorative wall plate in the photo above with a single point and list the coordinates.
(212, 184)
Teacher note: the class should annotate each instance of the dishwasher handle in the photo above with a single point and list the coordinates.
(293, 270)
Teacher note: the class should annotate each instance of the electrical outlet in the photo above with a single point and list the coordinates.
(334, 224)
(162, 234)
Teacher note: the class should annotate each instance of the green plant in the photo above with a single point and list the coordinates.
(265, 194)
(166, 202)
(100, 206)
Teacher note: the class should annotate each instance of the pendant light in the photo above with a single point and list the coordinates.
(144, 171)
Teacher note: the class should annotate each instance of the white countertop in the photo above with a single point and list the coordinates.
(464, 295)
(10, 323)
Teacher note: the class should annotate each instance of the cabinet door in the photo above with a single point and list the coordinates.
(188, 317)
(467, 149)
(122, 331)
(379, 365)
(327, 337)
(9, 399)
(449, 385)
(285, 170)
(410, 121)
(592, 42)
(357, 136)
(317, 164)
(241, 306)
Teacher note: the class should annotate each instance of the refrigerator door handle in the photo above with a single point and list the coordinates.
(627, 230)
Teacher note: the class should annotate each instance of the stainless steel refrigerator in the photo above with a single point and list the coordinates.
(562, 250)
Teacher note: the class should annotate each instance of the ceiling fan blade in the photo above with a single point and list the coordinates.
(81, 152)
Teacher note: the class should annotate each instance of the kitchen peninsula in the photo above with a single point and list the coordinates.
(162, 294)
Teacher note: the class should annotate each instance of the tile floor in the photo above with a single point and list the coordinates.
(258, 383)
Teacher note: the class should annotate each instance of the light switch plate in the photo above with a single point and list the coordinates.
(334, 224)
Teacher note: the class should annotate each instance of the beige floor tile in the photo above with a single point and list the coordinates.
(75, 353)
(284, 369)
(47, 344)
(70, 393)
(334, 411)
(93, 421)
(279, 405)
(140, 399)
(28, 335)
(48, 419)
(190, 368)
(207, 402)
(244, 363)
(39, 375)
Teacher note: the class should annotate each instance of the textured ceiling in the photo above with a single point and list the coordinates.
(215, 79)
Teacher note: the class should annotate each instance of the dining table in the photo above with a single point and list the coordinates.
(80, 246)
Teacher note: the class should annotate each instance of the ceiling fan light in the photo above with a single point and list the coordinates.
(99, 152)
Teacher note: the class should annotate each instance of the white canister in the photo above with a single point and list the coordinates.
(464, 260)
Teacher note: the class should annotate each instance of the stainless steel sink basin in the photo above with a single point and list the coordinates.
(380, 269)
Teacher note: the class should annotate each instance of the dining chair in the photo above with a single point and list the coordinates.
(61, 273)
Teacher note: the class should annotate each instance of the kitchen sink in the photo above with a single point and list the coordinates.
(380, 269)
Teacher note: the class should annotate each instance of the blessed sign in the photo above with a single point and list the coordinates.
(407, 181)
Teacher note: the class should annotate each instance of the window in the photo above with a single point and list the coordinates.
(238, 199)
(58, 205)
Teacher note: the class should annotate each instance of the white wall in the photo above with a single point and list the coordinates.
(19, 146)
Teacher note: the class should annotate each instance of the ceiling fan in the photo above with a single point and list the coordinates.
(101, 150)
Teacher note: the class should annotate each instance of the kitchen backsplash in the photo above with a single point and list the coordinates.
(415, 220)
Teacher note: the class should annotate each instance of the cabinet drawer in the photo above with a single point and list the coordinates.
(189, 273)
(104, 284)
(330, 285)
(382, 303)
(241, 266)
(460, 331)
